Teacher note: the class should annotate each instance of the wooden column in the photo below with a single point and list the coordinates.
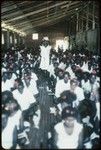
(14, 38)
(93, 23)
(87, 17)
(77, 22)
(8, 40)
(82, 20)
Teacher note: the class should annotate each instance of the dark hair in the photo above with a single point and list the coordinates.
(67, 73)
(8, 95)
(74, 80)
(21, 84)
(68, 112)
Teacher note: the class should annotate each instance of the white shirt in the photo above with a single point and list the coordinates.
(86, 85)
(24, 99)
(80, 95)
(7, 133)
(72, 74)
(7, 85)
(61, 86)
(32, 87)
(66, 141)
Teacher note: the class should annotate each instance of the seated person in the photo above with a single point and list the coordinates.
(68, 132)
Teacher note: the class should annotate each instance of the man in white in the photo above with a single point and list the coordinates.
(24, 97)
(30, 84)
(8, 83)
(9, 133)
(74, 87)
(62, 85)
(45, 54)
(68, 132)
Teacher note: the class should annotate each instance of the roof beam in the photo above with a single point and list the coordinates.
(34, 12)
(45, 21)
(9, 10)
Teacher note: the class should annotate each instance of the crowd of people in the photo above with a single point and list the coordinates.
(72, 77)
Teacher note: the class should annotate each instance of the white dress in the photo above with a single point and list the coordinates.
(45, 55)
(66, 141)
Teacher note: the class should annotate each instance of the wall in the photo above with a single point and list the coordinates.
(53, 36)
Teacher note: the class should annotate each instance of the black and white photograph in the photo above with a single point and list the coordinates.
(50, 74)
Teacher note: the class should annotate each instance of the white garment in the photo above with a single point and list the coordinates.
(86, 85)
(72, 74)
(66, 141)
(51, 69)
(34, 76)
(98, 110)
(7, 133)
(62, 66)
(45, 56)
(80, 95)
(32, 87)
(7, 85)
(24, 99)
(61, 86)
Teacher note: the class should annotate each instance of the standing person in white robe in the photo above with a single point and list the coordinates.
(45, 54)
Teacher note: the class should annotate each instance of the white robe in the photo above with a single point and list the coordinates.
(45, 56)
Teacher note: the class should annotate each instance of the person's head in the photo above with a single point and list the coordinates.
(9, 75)
(6, 95)
(86, 76)
(73, 84)
(68, 96)
(16, 83)
(92, 78)
(12, 106)
(60, 74)
(66, 77)
(45, 41)
(69, 116)
(4, 76)
(87, 94)
(4, 119)
(27, 79)
(73, 67)
(56, 64)
(21, 87)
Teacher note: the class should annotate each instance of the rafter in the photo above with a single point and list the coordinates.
(34, 12)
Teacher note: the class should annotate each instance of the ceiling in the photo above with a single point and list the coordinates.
(31, 16)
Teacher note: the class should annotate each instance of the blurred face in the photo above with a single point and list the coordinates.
(69, 121)
(93, 78)
(45, 43)
(66, 78)
(5, 77)
(4, 120)
(73, 86)
(9, 75)
(10, 107)
(20, 88)
(16, 84)
(27, 81)
(60, 74)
